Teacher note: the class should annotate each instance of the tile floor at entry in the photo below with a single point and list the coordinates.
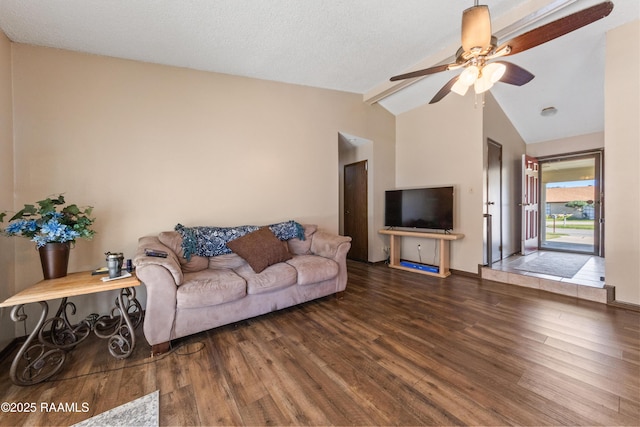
(585, 284)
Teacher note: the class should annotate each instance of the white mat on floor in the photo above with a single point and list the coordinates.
(140, 412)
(555, 264)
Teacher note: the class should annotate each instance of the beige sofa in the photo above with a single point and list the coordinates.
(189, 296)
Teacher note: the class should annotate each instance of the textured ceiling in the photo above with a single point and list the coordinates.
(348, 45)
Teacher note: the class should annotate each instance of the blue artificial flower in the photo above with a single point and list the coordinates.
(69, 235)
(55, 215)
(40, 240)
(55, 231)
(16, 227)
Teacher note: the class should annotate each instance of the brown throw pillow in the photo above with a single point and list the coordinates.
(260, 249)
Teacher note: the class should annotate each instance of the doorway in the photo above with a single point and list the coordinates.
(355, 209)
(571, 203)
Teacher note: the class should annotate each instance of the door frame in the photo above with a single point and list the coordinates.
(495, 223)
(598, 222)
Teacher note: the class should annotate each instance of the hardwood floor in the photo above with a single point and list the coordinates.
(397, 349)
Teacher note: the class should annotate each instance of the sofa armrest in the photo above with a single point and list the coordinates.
(161, 278)
(335, 247)
(171, 262)
(328, 245)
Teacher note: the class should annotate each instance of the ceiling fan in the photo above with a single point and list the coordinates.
(480, 48)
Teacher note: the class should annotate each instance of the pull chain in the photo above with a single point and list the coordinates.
(479, 96)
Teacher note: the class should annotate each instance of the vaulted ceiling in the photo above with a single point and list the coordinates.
(353, 46)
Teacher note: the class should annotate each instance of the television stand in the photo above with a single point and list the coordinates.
(395, 243)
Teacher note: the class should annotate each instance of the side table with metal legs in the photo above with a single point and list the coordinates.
(43, 353)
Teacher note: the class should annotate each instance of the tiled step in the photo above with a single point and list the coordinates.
(602, 295)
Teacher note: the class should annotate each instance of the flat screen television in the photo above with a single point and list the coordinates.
(429, 208)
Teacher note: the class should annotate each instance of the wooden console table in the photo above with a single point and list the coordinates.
(35, 362)
(395, 237)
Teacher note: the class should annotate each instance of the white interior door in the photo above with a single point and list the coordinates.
(530, 204)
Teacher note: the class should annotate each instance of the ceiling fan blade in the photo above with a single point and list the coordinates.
(444, 91)
(419, 73)
(514, 74)
(476, 28)
(558, 28)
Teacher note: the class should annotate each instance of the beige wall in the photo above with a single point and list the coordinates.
(622, 157)
(384, 165)
(590, 141)
(6, 186)
(435, 147)
(150, 146)
(498, 127)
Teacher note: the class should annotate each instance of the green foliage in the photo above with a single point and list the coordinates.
(576, 204)
(50, 221)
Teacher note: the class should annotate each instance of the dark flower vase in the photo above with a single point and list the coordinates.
(55, 259)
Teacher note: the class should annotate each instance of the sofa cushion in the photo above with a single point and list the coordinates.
(231, 261)
(173, 240)
(210, 287)
(260, 249)
(272, 278)
(302, 247)
(313, 269)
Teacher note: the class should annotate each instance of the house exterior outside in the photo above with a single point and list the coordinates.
(557, 199)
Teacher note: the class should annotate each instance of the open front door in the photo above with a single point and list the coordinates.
(530, 204)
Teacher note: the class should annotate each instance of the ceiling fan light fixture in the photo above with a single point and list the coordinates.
(483, 83)
(494, 71)
(460, 88)
(479, 47)
(469, 75)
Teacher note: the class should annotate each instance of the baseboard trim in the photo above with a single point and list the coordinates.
(625, 305)
(465, 273)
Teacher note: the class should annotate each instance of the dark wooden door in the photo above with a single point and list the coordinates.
(355, 209)
(494, 199)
